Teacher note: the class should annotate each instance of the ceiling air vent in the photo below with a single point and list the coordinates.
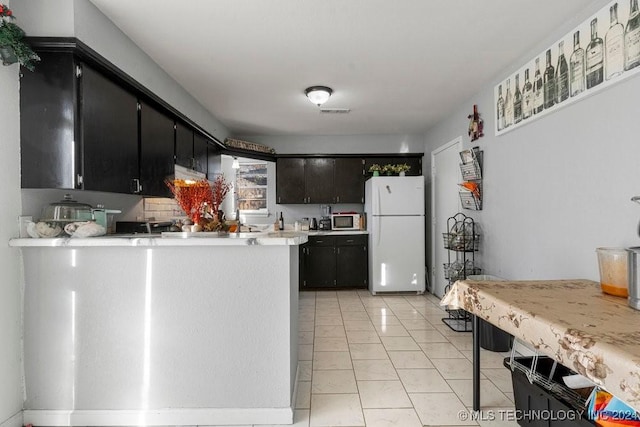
(334, 110)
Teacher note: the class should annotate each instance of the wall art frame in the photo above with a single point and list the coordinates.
(602, 51)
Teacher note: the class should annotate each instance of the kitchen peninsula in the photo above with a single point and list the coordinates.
(160, 330)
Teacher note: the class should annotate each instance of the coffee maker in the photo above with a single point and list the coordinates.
(325, 220)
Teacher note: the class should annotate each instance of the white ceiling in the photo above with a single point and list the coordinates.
(399, 65)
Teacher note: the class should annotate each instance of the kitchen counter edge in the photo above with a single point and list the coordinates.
(177, 239)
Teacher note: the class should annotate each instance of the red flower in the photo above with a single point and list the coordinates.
(1, 9)
(9, 12)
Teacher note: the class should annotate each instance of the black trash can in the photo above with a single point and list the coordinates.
(494, 339)
(491, 337)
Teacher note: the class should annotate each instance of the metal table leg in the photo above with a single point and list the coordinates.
(476, 362)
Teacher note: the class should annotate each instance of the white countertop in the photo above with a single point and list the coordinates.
(277, 238)
(287, 238)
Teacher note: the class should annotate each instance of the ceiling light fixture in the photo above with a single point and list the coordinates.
(318, 94)
(235, 164)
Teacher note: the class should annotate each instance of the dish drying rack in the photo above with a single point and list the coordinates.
(546, 381)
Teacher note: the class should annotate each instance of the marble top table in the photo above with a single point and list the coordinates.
(595, 334)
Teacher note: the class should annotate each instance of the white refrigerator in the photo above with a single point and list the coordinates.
(395, 221)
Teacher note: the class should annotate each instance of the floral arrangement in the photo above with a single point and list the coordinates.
(375, 168)
(192, 196)
(219, 190)
(403, 167)
(201, 201)
(12, 47)
(388, 169)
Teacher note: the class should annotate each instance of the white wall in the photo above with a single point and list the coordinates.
(341, 144)
(10, 289)
(558, 187)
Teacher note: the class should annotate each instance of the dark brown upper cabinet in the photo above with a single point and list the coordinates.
(156, 151)
(290, 181)
(349, 180)
(201, 149)
(79, 129)
(85, 124)
(184, 145)
(109, 133)
(319, 180)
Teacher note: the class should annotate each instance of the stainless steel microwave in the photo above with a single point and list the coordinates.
(345, 221)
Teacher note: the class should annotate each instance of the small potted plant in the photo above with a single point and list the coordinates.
(375, 169)
(402, 169)
(12, 46)
(388, 169)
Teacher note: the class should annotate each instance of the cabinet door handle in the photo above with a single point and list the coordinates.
(319, 241)
(279, 199)
(338, 199)
(338, 251)
(349, 240)
(135, 186)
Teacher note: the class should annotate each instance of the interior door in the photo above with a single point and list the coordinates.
(445, 202)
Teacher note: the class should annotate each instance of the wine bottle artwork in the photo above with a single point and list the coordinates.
(614, 45)
(632, 38)
(508, 106)
(576, 67)
(549, 83)
(601, 51)
(500, 109)
(517, 102)
(538, 90)
(562, 75)
(595, 57)
(527, 97)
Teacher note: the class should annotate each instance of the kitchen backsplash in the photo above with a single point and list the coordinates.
(161, 209)
(35, 199)
(137, 208)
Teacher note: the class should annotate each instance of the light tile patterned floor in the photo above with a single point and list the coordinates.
(381, 361)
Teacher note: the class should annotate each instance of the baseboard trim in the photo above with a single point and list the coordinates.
(294, 396)
(160, 417)
(13, 421)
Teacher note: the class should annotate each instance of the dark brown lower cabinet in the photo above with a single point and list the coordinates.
(351, 262)
(334, 262)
